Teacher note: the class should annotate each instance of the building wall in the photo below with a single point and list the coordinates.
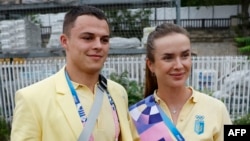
(203, 12)
(213, 42)
(226, 48)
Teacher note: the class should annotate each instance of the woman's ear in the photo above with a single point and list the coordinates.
(150, 65)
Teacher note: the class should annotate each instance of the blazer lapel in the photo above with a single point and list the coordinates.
(66, 103)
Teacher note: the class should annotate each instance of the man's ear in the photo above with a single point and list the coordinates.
(64, 41)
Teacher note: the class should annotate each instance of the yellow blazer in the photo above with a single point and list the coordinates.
(45, 111)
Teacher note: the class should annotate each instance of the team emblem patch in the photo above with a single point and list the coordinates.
(199, 124)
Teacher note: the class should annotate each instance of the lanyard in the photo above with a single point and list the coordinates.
(169, 124)
(81, 110)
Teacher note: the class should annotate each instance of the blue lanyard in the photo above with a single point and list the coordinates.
(76, 99)
(81, 110)
(170, 125)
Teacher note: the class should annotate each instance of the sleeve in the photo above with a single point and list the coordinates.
(25, 125)
(225, 120)
(133, 130)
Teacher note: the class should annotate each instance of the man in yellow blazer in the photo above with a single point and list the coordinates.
(56, 108)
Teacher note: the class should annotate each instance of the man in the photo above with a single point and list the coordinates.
(57, 108)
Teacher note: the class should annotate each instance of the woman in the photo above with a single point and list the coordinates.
(171, 110)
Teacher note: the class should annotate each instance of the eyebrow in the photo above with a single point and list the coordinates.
(90, 33)
(185, 51)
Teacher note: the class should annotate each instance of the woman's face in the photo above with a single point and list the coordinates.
(172, 63)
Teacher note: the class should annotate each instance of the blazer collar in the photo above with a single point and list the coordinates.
(66, 102)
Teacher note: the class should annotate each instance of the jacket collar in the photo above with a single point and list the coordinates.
(66, 102)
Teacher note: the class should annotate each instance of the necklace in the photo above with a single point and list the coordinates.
(174, 111)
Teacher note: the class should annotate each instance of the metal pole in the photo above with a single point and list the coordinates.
(178, 11)
(81, 2)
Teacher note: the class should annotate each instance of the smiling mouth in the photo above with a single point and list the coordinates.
(179, 74)
(95, 57)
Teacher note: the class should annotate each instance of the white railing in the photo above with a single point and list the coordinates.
(134, 65)
(226, 78)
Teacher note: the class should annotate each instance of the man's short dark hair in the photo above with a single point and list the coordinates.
(71, 16)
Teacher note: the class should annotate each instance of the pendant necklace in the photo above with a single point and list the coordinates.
(174, 111)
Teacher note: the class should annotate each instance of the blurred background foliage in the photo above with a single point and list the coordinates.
(134, 90)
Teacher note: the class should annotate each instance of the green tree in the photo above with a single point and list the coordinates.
(134, 90)
(128, 22)
(244, 120)
(244, 15)
(4, 129)
(35, 19)
(243, 44)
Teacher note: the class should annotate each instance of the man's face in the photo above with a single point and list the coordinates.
(87, 45)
